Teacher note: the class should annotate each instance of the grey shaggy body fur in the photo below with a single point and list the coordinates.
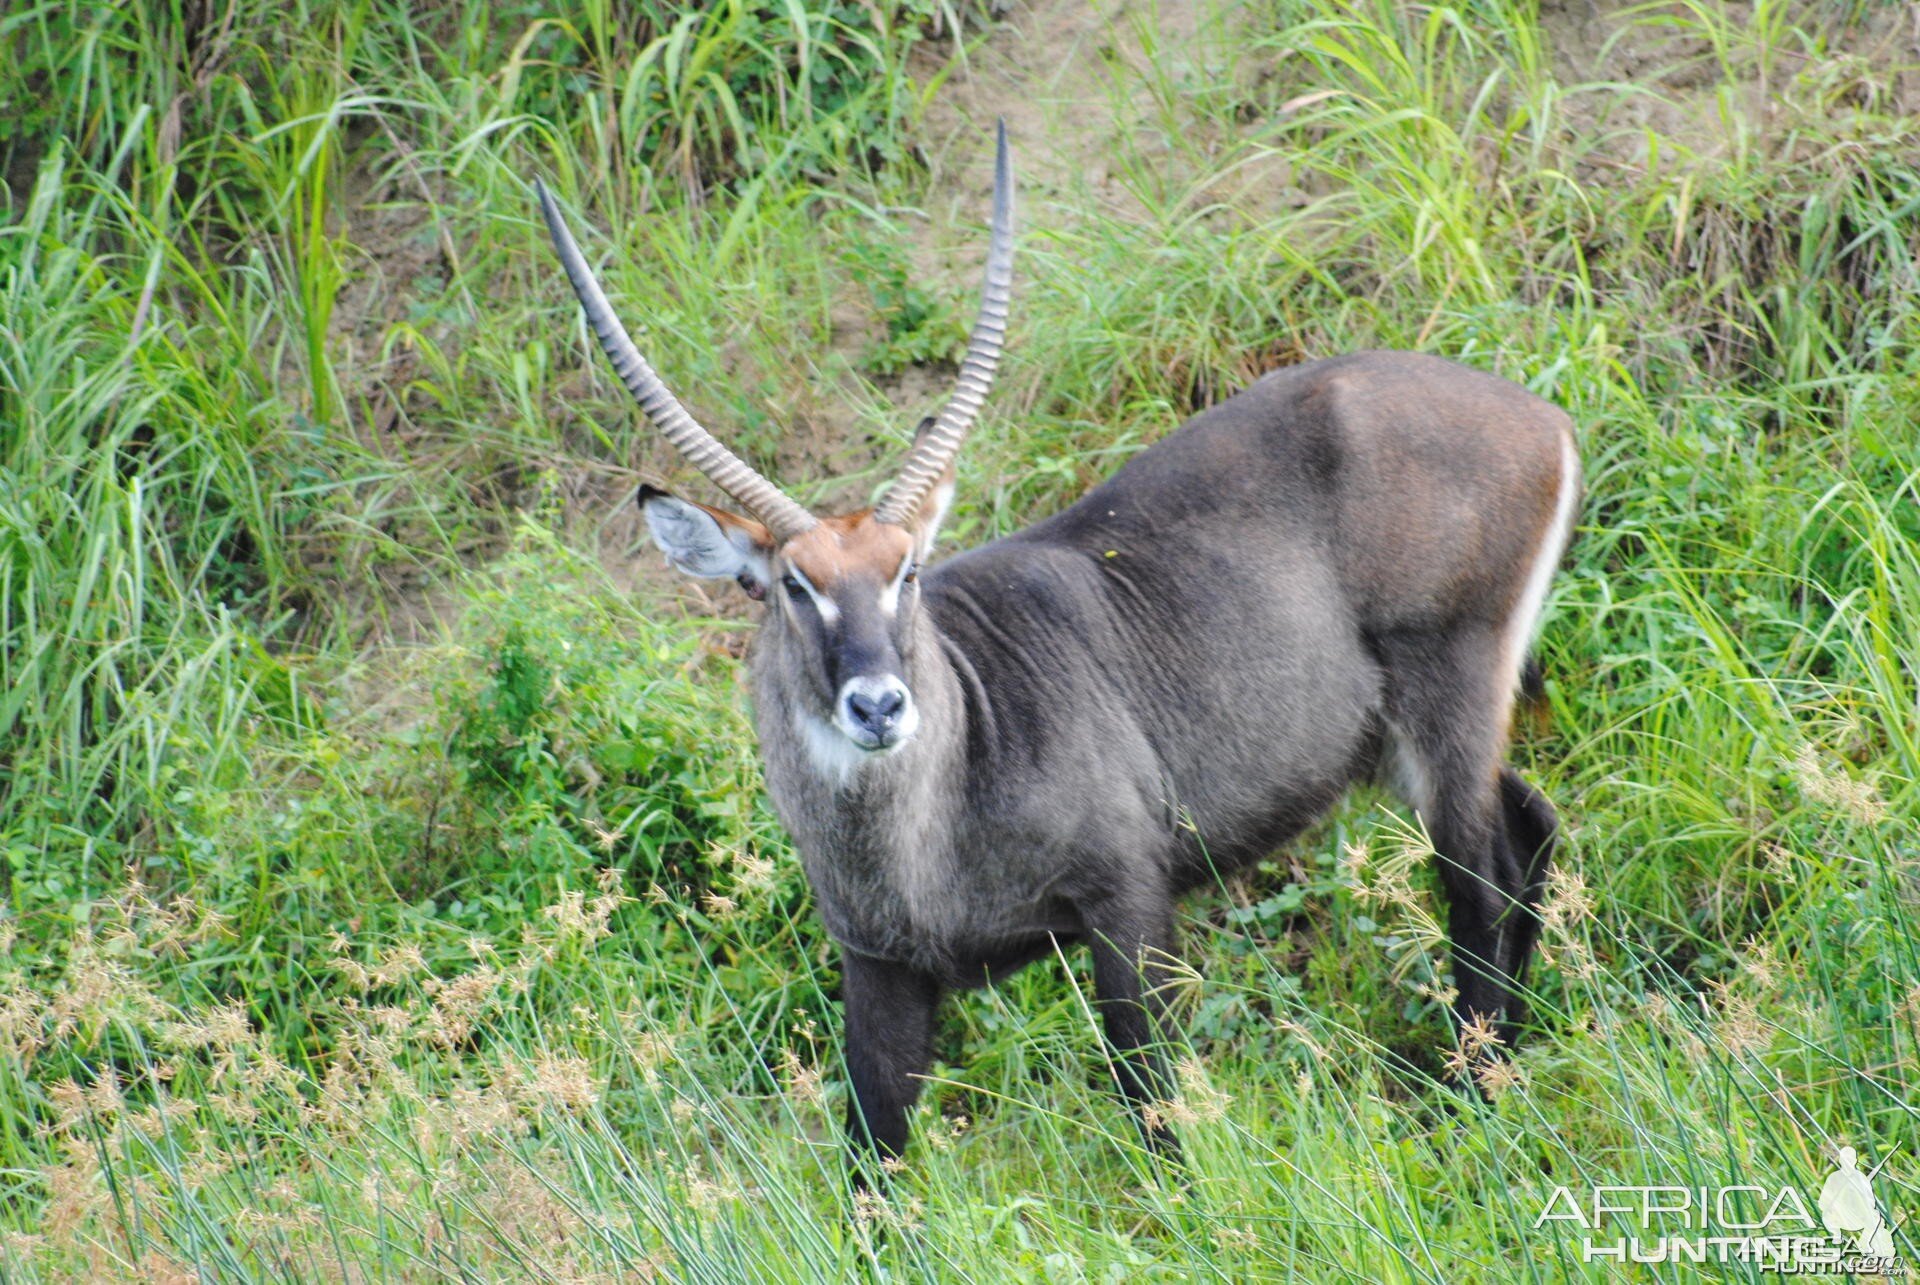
(1315, 582)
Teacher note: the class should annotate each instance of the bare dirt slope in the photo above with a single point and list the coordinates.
(1068, 77)
(1096, 95)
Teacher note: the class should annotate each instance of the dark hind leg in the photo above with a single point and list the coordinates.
(1530, 833)
(1448, 706)
(1482, 883)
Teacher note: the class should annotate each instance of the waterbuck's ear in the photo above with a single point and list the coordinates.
(933, 509)
(710, 543)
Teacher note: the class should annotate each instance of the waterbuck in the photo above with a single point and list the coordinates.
(1329, 577)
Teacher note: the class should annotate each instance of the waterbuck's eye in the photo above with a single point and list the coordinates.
(913, 574)
(792, 586)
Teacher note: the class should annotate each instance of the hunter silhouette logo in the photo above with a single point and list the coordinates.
(1771, 1229)
(1850, 1212)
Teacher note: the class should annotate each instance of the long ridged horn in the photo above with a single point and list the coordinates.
(939, 445)
(727, 471)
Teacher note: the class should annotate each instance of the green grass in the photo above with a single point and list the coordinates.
(325, 699)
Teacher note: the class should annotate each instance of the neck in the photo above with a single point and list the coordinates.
(873, 830)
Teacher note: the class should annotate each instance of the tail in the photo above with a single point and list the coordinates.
(1533, 682)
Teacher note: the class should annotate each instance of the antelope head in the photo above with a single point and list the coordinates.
(843, 588)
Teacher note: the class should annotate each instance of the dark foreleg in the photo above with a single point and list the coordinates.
(889, 1017)
(1132, 940)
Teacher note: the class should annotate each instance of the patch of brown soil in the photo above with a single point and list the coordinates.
(1068, 78)
(1073, 80)
(1675, 76)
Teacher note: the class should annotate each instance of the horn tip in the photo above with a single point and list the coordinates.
(548, 207)
(1002, 184)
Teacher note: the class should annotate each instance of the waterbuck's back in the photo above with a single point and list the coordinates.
(1195, 644)
(1423, 483)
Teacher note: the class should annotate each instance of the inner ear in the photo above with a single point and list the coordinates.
(709, 543)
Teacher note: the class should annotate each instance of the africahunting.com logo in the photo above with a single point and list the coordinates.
(1772, 1229)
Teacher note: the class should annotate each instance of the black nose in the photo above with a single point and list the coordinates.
(878, 712)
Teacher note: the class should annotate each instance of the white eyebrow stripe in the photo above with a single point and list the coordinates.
(890, 596)
(828, 609)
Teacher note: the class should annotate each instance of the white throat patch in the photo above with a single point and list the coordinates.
(832, 755)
